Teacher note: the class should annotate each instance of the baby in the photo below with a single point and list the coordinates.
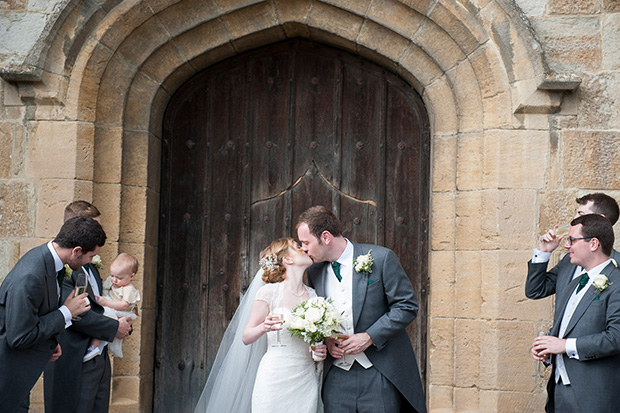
(119, 300)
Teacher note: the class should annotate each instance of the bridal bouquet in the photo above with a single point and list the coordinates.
(314, 320)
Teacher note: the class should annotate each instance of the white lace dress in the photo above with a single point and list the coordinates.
(287, 379)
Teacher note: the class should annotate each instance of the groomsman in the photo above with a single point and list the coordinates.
(584, 342)
(89, 382)
(30, 317)
(378, 301)
(544, 284)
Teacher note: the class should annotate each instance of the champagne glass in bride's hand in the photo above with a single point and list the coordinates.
(538, 375)
(277, 315)
(81, 284)
(343, 335)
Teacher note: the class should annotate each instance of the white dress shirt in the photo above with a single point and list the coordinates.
(58, 265)
(342, 294)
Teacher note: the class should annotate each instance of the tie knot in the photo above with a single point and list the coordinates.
(336, 268)
(583, 281)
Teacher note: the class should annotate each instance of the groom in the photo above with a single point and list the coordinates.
(378, 303)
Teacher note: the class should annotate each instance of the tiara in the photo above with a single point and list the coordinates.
(269, 262)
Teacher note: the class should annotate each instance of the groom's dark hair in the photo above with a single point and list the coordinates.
(319, 219)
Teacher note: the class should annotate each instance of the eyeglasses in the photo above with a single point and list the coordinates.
(572, 240)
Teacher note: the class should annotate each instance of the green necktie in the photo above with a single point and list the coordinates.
(583, 281)
(336, 268)
(61, 276)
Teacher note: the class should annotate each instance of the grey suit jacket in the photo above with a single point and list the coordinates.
(384, 304)
(29, 325)
(596, 326)
(66, 372)
(541, 283)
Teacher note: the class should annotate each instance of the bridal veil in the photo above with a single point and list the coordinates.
(231, 380)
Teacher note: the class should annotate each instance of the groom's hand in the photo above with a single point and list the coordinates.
(332, 347)
(356, 343)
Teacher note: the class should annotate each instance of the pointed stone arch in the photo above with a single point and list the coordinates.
(107, 70)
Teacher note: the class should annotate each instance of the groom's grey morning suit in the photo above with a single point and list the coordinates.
(29, 325)
(89, 382)
(384, 303)
(595, 376)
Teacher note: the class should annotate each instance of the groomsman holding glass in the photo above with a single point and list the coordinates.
(584, 342)
(30, 315)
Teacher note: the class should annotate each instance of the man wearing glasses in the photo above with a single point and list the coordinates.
(543, 286)
(584, 342)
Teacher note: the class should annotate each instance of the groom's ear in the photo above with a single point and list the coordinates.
(326, 237)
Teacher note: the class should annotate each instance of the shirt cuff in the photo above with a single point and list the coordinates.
(67, 315)
(571, 348)
(540, 257)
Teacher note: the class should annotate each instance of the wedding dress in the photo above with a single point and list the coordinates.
(287, 379)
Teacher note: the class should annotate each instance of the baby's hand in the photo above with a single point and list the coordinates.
(101, 300)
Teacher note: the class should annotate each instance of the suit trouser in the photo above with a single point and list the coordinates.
(95, 392)
(359, 390)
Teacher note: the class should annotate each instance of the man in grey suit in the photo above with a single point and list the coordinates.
(584, 342)
(89, 381)
(544, 285)
(378, 302)
(30, 317)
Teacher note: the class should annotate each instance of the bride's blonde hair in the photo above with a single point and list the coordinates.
(271, 260)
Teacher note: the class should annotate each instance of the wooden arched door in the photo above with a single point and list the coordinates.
(248, 145)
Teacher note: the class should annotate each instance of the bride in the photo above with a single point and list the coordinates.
(273, 371)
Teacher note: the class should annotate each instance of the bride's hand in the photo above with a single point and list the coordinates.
(272, 323)
(319, 352)
(332, 346)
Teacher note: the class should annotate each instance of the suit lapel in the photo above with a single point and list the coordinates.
(563, 300)
(359, 285)
(51, 281)
(586, 301)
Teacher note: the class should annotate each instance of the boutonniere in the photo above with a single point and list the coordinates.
(96, 262)
(601, 282)
(68, 271)
(363, 263)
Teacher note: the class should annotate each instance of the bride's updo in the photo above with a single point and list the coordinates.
(271, 260)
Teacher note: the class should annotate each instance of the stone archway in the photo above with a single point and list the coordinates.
(108, 70)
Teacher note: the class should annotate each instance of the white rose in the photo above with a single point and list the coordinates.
(313, 315)
(297, 323)
(599, 281)
(310, 327)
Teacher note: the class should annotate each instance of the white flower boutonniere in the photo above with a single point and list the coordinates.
(68, 271)
(96, 262)
(363, 263)
(601, 282)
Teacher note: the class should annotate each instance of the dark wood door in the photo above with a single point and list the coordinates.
(248, 145)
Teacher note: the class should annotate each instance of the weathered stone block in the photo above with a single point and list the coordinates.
(468, 352)
(600, 109)
(442, 291)
(144, 40)
(53, 197)
(440, 399)
(250, 19)
(139, 101)
(573, 7)
(51, 150)
(107, 198)
(395, 16)
(468, 284)
(441, 107)
(6, 148)
(490, 72)
(468, 166)
(118, 75)
(379, 38)
(108, 154)
(468, 98)
(333, 20)
(437, 43)
(441, 351)
(9, 255)
(419, 65)
(16, 209)
(467, 400)
(177, 20)
(293, 11)
(210, 35)
(444, 163)
(443, 221)
(125, 391)
(133, 214)
(461, 25)
(153, 67)
(514, 159)
(591, 159)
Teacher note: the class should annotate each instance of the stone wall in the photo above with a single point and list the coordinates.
(515, 138)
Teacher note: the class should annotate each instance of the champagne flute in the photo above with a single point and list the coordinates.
(81, 284)
(538, 375)
(343, 335)
(277, 315)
